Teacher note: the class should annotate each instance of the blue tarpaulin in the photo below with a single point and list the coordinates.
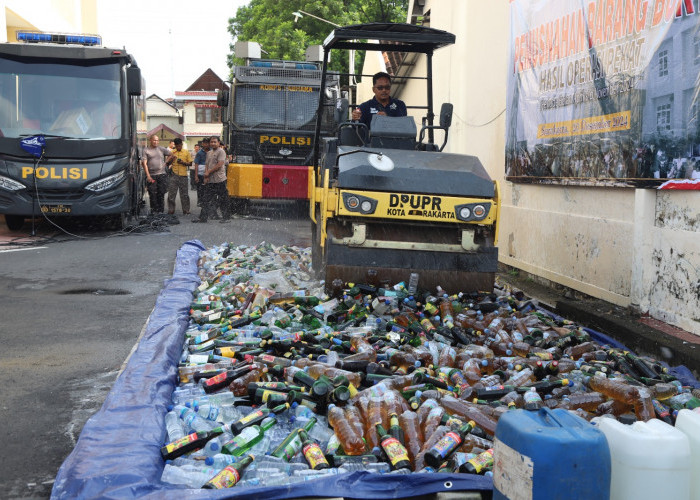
(118, 453)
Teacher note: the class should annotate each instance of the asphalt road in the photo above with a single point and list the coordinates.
(73, 308)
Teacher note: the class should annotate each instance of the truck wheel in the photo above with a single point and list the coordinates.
(14, 222)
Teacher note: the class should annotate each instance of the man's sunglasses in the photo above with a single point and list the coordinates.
(383, 87)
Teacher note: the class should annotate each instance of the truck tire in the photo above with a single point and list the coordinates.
(14, 222)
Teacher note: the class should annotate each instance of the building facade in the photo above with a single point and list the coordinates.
(201, 115)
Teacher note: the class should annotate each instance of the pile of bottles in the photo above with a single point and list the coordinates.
(284, 383)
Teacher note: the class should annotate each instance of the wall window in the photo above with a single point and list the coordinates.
(663, 63)
(208, 115)
(663, 117)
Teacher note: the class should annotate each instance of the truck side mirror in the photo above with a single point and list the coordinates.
(133, 80)
(341, 110)
(446, 115)
(222, 98)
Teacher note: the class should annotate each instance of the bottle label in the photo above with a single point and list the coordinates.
(233, 446)
(314, 455)
(267, 358)
(176, 445)
(250, 417)
(394, 450)
(292, 448)
(227, 478)
(447, 444)
(221, 377)
(482, 461)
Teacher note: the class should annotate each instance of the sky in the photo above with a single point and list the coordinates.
(173, 42)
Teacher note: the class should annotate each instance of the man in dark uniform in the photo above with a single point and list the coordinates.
(382, 103)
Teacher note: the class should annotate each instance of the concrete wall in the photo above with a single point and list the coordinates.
(628, 246)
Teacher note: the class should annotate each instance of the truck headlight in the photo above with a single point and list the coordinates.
(472, 211)
(358, 203)
(10, 185)
(107, 182)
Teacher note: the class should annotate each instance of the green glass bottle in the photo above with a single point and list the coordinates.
(191, 442)
(395, 429)
(312, 452)
(447, 445)
(395, 451)
(248, 438)
(229, 476)
(291, 445)
(255, 417)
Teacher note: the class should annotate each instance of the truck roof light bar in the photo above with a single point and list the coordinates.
(59, 38)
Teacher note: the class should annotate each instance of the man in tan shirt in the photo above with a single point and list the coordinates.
(215, 193)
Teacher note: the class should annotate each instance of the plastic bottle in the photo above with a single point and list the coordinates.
(351, 442)
(189, 475)
(291, 445)
(229, 475)
(173, 426)
(413, 434)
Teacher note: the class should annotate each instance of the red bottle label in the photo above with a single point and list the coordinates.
(314, 455)
(394, 450)
(215, 380)
(227, 478)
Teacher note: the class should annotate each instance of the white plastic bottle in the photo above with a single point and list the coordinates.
(688, 422)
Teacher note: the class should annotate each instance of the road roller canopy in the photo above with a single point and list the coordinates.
(390, 37)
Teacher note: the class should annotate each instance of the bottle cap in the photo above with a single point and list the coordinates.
(209, 461)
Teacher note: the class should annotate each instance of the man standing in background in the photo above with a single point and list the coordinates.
(200, 161)
(153, 161)
(179, 162)
(215, 183)
(193, 168)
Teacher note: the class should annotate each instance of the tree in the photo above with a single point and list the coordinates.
(272, 24)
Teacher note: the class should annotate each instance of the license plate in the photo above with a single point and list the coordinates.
(56, 209)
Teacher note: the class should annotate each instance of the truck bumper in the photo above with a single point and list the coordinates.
(61, 202)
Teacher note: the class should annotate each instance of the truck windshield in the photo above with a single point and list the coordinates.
(60, 99)
(277, 107)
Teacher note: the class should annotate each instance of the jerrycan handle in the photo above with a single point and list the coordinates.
(546, 413)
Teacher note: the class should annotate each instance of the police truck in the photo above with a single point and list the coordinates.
(69, 109)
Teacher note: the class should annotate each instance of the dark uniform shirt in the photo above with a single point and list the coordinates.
(372, 107)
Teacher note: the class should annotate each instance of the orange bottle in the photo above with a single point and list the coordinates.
(432, 421)
(413, 433)
(374, 416)
(425, 408)
(320, 369)
(239, 386)
(472, 370)
(359, 344)
(448, 356)
(345, 431)
(353, 416)
(613, 389)
(588, 401)
(468, 411)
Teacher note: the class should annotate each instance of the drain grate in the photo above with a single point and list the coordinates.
(96, 291)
